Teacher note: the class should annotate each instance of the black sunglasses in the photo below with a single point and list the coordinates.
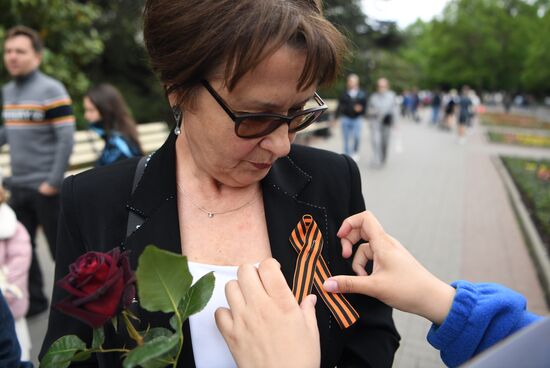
(254, 125)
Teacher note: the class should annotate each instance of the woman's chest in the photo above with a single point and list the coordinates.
(226, 239)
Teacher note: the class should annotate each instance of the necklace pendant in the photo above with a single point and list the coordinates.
(210, 215)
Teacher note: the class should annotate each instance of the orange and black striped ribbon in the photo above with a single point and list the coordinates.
(311, 269)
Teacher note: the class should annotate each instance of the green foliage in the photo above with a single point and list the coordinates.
(98, 338)
(163, 279)
(62, 351)
(67, 29)
(124, 62)
(536, 74)
(535, 191)
(198, 296)
(482, 43)
(151, 350)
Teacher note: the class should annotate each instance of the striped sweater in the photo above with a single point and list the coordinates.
(39, 127)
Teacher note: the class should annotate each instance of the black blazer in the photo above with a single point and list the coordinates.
(94, 215)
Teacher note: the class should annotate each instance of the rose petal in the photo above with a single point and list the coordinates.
(101, 290)
(93, 319)
(108, 304)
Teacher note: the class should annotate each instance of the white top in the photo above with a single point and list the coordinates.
(209, 347)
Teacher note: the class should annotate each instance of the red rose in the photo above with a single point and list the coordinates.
(99, 285)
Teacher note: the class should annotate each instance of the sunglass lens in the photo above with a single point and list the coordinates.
(258, 126)
(303, 121)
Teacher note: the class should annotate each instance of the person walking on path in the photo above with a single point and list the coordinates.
(436, 107)
(39, 127)
(382, 105)
(464, 113)
(352, 106)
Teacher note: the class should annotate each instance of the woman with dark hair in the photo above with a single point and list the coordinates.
(228, 187)
(108, 116)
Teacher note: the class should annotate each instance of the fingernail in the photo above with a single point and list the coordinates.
(331, 286)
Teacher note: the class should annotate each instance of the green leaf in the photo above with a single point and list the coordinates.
(99, 338)
(163, 278)
(174, 321)
(198, 296)
(157, 363)
(151, 350)
(167, 358)
(62, 351)
(82, 356)
(156, 332)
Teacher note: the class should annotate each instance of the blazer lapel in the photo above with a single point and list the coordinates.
(284, 207)
(286, 200)
(155, 201)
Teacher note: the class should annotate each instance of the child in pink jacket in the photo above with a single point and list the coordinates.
(15, 260)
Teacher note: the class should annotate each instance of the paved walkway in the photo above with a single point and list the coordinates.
(447, 204)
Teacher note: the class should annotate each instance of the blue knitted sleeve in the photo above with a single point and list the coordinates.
(481, 315)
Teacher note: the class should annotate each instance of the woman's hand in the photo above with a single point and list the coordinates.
(398, 279)
(265, 326)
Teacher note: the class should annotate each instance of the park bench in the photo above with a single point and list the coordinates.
(88, 145)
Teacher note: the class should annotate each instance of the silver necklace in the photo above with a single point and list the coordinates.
(211, 214)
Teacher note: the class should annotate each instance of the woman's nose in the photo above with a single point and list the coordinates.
(278, 142)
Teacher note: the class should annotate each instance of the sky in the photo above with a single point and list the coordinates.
(405, 12)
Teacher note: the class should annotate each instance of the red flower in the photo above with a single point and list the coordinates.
(99, 285)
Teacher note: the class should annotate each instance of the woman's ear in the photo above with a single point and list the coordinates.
(176, 106)
(178, 116)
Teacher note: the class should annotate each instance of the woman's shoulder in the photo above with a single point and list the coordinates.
(318, 161)
(106, 183)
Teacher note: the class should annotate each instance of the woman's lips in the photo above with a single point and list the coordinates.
(261, 166)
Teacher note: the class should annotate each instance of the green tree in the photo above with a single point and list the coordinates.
(482, 43)
(67, 29)
(124, 61)
(536, 74)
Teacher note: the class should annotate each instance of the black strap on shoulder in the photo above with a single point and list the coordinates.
(134, 220)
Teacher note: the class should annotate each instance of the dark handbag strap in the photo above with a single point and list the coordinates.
(134, 220)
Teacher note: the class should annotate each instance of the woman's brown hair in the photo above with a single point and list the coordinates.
(115, 115)
(188, 39)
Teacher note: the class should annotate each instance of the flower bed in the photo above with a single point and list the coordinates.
(522, 139)
(532, 178)
(512, 120)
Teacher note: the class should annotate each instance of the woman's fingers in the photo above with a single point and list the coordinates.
(224, 320)
(274, 281)
(250, 283)
(234, 295)
(308, 308)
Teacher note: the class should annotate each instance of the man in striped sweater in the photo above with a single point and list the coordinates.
(38, 127)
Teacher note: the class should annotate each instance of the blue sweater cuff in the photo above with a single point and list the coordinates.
(440, 337)
(480, 316)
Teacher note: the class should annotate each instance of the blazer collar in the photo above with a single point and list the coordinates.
(287, 177)
(285, 203)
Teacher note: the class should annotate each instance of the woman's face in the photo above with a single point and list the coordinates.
(210, 133)
(91, 113)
